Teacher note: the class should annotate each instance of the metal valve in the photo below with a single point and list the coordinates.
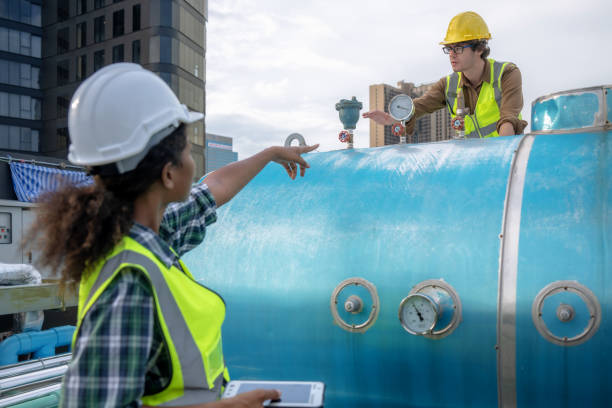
(353, 304)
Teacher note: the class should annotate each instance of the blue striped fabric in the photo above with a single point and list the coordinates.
(30, 180)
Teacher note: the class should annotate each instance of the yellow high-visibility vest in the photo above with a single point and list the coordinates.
(189, 314)
(482, 122)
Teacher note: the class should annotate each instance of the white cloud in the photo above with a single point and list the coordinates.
(276, 67)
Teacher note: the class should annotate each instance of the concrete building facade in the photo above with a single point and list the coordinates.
(428, 128)
(219, 151)
(20, 64)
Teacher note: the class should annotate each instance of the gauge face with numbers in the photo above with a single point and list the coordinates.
(401, 107)
(418, 314)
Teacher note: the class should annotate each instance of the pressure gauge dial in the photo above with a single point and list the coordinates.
(401, 107)
(418, 313)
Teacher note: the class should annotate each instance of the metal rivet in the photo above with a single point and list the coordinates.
(501, 235)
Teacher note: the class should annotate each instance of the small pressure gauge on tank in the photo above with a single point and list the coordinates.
(432, 309)
(418, 314)
(401, 108)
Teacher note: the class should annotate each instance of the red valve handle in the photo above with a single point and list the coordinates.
(398, 129)
(344, 136)
(458, 123)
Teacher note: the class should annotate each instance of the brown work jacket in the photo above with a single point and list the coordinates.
(511, 102)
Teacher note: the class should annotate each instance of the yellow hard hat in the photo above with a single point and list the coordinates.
(466, 26)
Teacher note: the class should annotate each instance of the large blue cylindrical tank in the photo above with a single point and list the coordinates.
(519, 228)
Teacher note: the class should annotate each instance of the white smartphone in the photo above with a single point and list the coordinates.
(293, 393)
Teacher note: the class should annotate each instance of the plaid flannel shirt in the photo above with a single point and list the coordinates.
(120, 353)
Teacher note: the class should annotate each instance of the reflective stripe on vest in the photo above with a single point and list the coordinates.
(198, 368)
(482, 122)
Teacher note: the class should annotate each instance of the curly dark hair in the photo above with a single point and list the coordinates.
(76, 226)
(481, 45)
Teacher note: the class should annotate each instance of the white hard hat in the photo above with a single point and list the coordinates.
(119, 113)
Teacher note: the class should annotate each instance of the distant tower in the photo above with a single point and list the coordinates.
(219, 151)
(428, 128)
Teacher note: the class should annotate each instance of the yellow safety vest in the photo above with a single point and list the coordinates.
(189, 314)
(482, 122)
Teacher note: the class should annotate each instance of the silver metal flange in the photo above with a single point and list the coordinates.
(374, 309)
(295, 136)
(587, 296)
(434, 288)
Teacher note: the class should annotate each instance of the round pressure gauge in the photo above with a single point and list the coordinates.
(401, 107)
(418, 313)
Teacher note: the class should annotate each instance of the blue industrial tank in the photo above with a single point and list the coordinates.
(461, 273)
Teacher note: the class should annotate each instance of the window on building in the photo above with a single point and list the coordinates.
(26, 12)
(25, 46)
(118, 23)
(118, 53)
(63, 44)
(13, 41)
(98, 4)
(35, 77)
(98, 60)
(4, 39)
(62, 138)
(18, 74)
(63, 11)
(36, 19)
(4, 71)
(63, 72)
(62, 106)
(4, 104)
(136, 17)
(99, 26)
(14, 106)
(35, 46)
(81, 67)
(26, 75)
(81, 6)
(81, 34)
(13, 74)
(136, 51)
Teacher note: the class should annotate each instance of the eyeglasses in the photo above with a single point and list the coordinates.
(457, 49)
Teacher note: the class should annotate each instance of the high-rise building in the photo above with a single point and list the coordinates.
(79, 37)
(20, 64)
(428, 128)
(219, 151)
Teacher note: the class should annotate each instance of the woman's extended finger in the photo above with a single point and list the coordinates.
(287, 168)
(306, 149)
(293, 170)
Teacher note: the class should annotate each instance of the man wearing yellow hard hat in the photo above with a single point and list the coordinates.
(486, 95)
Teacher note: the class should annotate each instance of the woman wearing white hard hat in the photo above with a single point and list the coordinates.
(147, 332)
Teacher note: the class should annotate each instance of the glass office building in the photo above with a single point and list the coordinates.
(167, 37)
(20, 67)
(219, 152)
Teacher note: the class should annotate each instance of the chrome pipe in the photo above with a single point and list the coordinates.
(9, 383)
(34, 365)
(29, 395)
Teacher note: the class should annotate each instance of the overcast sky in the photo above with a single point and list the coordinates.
(275, 67)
